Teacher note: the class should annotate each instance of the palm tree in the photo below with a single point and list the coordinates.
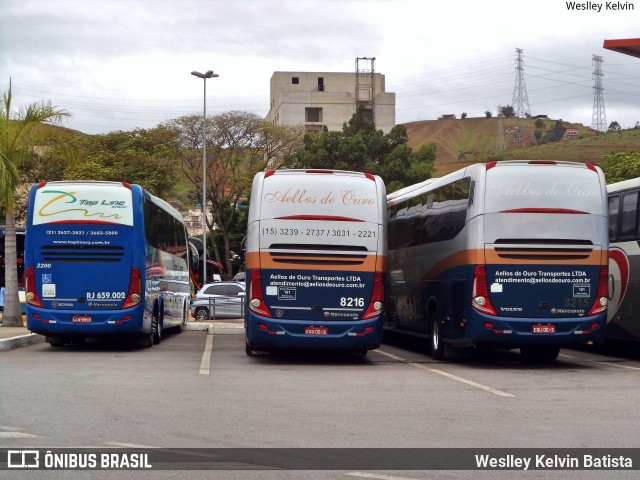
(19, 134)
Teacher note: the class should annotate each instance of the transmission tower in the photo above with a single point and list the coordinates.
(520, 99)
(500, 143)
(365, 86)
(599, 117)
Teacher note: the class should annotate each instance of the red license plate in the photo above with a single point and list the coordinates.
(316, 330)
(543, 329)
(81, 319)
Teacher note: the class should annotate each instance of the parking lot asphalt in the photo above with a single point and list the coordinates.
(14, 337)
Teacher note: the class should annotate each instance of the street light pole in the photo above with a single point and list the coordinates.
(204, 76)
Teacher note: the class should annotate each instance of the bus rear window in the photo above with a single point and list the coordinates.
(339, 195)
(543, 187)
(82, 203)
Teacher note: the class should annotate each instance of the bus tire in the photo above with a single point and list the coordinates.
(437, 347)
(539, 354)
(201, 314)
(156, 328)
(248, 349)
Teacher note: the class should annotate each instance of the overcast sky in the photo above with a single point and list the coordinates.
(120, 65)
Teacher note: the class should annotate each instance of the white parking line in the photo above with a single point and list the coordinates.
(18, 435)
(448, 375)
(206, 356)
(377, 476)
(619, 366)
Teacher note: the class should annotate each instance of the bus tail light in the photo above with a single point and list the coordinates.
(256, 298)
(135, 290)
(480, 294)
(31, 294)
(600, 305)
(375, 306)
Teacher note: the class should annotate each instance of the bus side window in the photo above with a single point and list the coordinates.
(614, 208)
(629, 216)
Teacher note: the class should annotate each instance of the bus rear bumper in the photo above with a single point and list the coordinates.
(515, 331)
(89, 323)
(266, 334)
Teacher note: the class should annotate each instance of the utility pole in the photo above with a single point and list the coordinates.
(500, 143)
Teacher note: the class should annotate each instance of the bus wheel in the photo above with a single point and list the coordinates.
(437, 347)
(248, 349)
(202, 313)
(539, 354)
(156, 329)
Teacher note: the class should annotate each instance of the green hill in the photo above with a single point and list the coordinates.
(461, 142)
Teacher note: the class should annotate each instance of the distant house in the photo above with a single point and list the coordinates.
(448, 116)
(572, 133)
(539, 116)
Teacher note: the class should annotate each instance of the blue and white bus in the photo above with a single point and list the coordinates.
(104, 258)
(316, 259)
(505, 254)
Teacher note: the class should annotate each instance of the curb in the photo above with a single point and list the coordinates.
(217, 328)
(20, 341)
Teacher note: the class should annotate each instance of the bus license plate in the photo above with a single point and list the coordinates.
(544, 329)
(316, 331)
(81, 319)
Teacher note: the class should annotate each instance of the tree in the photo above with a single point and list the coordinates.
(508, 111)
(19, 134)
(239, 144)
(140, 156)
(614, 127)
(488, 114)
(556, 133)
(539, 123)
(621, 166)
(463, 115)
(360, 147)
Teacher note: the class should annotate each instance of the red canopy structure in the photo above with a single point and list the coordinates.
(628, 46)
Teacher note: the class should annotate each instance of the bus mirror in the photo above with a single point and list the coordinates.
(194, 256)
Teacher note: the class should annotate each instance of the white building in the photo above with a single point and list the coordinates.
(317, 99)
(193, 221)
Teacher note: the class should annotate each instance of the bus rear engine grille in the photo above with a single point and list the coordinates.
(81, 253)
(543, 249)
(318, 254)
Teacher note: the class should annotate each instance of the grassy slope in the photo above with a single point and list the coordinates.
(461, 142)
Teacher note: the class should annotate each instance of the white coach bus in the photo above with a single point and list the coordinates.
(315, 257)
(507, 254)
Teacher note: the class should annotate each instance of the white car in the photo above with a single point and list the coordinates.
(219, 300)
(239, 277)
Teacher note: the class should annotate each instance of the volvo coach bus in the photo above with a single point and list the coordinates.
(505, 254)
(624, 261)
(104, 258)
(315, 261)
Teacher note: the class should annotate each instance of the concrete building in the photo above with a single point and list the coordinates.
(316, 99)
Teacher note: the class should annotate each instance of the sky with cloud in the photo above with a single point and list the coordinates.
(120, 65)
